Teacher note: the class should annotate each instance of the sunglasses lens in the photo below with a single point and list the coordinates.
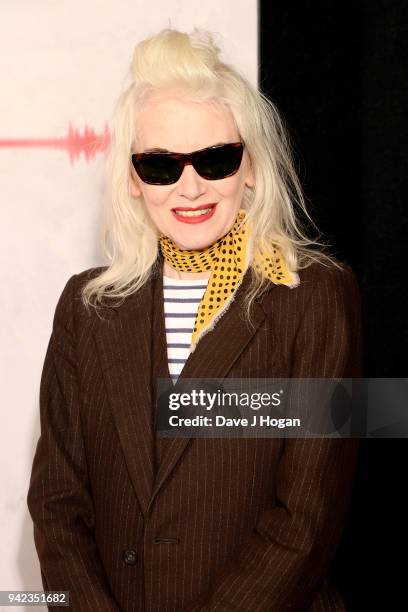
(158, 169)
(213, 163)
(219, 162)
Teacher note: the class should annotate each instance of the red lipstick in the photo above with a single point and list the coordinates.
(196, 218)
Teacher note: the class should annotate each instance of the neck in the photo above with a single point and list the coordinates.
(172, 273)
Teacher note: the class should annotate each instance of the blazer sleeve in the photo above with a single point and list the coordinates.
(59, 497)
(284, 561)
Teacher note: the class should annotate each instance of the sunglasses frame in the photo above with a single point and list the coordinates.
(186, 159)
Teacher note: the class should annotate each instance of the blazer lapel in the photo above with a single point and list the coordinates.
(127, 342)
(213, 357)
(124, 346)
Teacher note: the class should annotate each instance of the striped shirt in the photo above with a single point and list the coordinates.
(181, 300)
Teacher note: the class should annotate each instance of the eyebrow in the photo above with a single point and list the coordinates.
(156, 150)
(159, 150)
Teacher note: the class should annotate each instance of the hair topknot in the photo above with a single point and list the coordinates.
(173, 56)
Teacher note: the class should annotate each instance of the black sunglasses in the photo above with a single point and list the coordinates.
(212, 163)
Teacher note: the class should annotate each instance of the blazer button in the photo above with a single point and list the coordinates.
(130, 557)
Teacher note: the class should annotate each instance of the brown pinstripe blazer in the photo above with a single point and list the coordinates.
(190, 524)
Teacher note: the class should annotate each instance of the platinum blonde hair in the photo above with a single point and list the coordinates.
(191, 62)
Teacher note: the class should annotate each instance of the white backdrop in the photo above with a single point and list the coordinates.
(63, 62)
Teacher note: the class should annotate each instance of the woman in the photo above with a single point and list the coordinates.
(202, 212)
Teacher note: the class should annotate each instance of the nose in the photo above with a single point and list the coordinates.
(190, 184)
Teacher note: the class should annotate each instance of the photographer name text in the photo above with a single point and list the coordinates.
(222, 421)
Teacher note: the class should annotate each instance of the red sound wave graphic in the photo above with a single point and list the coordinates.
(88, 143)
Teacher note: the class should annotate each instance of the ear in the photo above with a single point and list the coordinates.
(250, 179)
(134, 188)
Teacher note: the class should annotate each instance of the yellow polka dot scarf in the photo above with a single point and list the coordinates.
(228, 259)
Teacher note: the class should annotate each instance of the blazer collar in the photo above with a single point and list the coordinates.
(128, 341)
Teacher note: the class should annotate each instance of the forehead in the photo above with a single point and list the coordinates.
(171, 121)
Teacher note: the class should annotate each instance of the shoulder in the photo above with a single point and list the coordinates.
(82, 278)
(324, 288)
(330, 287)
(70, 299)
(317, 274)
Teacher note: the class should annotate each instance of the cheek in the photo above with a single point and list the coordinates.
(231, 187)
(155, 196)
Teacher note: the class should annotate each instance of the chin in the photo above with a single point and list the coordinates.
(194, 243)
(190, 246)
